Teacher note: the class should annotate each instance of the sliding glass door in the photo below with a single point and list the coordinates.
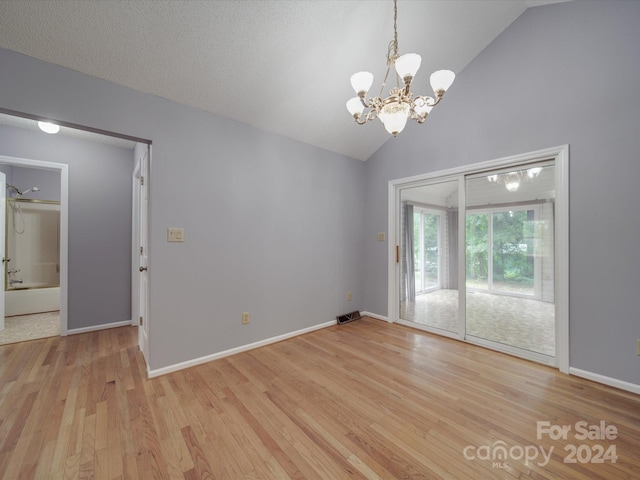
(476, 258)
(428, 256)
(510, 259)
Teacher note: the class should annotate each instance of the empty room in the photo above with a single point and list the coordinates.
(430, 274)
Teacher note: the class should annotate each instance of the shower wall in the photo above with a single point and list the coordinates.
(33, 244)
(32, 276)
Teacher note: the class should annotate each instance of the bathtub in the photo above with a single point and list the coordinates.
(30, 298)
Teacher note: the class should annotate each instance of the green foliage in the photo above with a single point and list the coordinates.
(512, 238)
(477, 231)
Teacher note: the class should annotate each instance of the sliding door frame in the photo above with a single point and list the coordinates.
(560, 156)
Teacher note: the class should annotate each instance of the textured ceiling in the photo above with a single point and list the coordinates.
(280, 65)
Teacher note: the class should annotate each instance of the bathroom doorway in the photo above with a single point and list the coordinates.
(35, 253)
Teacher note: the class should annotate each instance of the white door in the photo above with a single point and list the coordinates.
(3, 211)
(142, 194)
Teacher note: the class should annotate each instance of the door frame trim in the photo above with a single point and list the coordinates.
(64, 225)
(137, 205)
(560, 154)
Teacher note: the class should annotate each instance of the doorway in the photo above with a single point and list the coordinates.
(97, 196)
(482, 254)
(42, 303)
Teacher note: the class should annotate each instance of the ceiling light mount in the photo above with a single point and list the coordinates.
(401, 104)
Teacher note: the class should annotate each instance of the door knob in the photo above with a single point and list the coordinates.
(143, 269)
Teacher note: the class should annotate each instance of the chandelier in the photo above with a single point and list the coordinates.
(512, 180)
(401, 103)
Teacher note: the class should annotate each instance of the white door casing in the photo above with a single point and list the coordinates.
(64, 225)
(141, 246)
(3, 223)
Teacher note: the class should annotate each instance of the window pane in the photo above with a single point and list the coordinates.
(477, 250)
(431, 235)
(417, 253)
(513, 251)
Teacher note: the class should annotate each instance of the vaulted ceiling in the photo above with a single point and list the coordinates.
(280, 65)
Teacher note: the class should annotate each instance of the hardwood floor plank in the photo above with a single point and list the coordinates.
(366, 400)
(176, 438)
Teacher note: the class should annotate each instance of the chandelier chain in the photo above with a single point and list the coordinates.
(392, 51)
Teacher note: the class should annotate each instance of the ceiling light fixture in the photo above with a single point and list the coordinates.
(512, 180)
(401, 103)
(49, 127)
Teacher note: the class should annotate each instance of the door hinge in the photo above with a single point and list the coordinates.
(141, 321)
(142, 181)
(397, 253)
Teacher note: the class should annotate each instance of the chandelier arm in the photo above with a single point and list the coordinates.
(426, 102)
(358, 117)
(363, 100)
(363, 117)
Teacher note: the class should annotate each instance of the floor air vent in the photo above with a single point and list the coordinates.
(348, 317)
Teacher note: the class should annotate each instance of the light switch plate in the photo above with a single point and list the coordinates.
(175, 234)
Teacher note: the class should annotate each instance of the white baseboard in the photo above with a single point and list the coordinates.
(612, 382)
(94, 328)
(374, 315)
(232, 351)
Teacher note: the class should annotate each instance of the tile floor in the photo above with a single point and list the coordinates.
(521, 322)
(21, 328)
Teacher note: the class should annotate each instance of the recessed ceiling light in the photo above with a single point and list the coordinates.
(48, 127)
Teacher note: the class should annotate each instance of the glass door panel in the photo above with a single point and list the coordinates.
(513, 259)
(510, 259)
(429, 256)
(477, 250)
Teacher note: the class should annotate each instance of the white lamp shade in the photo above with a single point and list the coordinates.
(355, 106)
(424, 107)
(512, 186)
(442, 80)
(533, 172)
(394, 117)
(408, 64)
(49, 127)
(361, 81)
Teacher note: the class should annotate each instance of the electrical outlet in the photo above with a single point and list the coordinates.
(381, 236)
(245, 318)
(349, 296)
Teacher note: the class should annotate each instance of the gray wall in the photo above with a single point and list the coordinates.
(99, 218)
(272, 226)
(560, 74)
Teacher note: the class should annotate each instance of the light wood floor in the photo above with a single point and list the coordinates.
(361, 400)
